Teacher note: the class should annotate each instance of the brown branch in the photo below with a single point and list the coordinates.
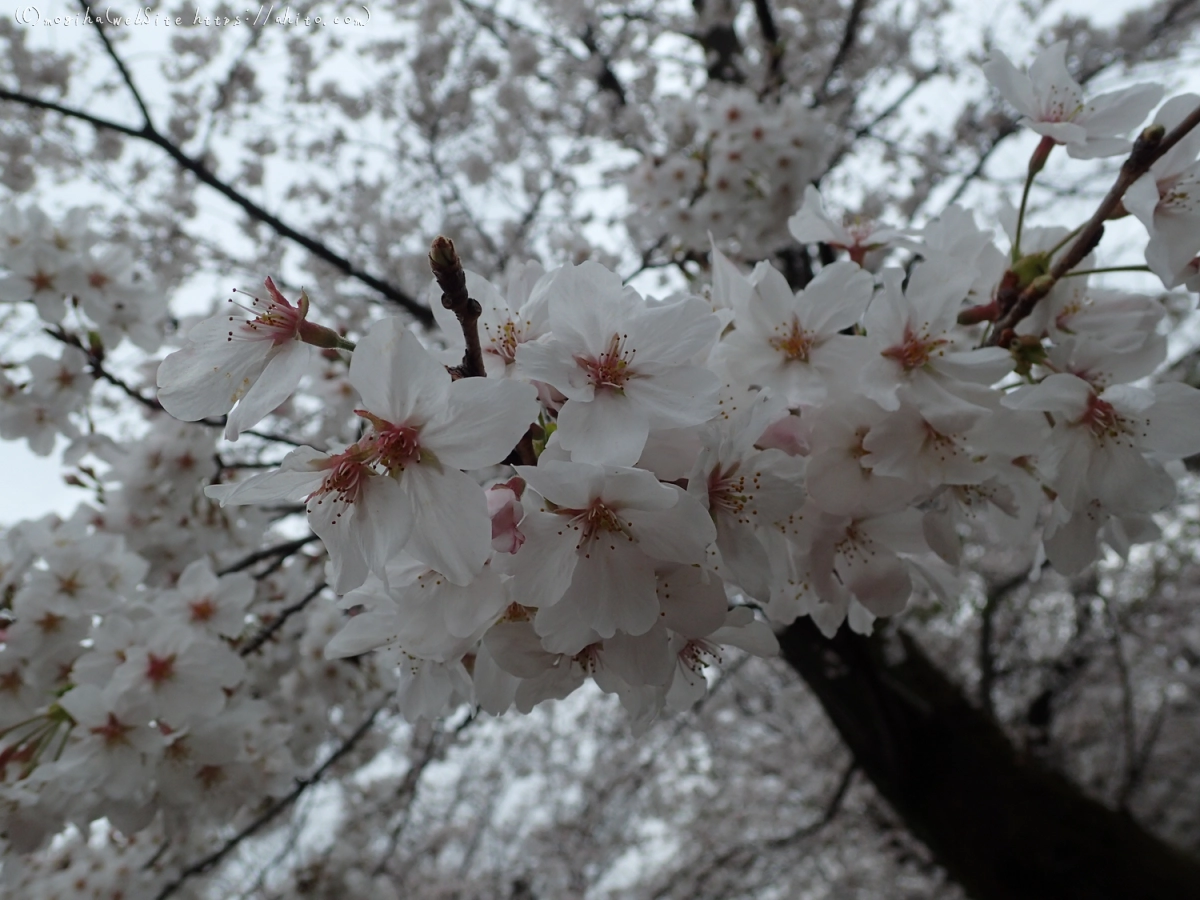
(832, 808)
(285, 549)
(447, 269)
(278, 622)
(120, 64)
(1129, 751)
(607, 80)
(771, 37)
(721, 46)
(206, 176)
(203, 865)
(849, 33)
(95, 360)
(1000, 822)
(1150, 146)
(1137, 769)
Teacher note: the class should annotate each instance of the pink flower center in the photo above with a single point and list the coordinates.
(113, 731)
(795, 345)
(397, 446)
(160, 668)
(1102, 420)
(275, 320)
(727, 491)
(914, 351)
(699, 653)
(202, 610)
(504, 342)
(348, 472)
(611, 369)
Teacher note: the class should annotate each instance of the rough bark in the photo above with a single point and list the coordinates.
(1002, 825)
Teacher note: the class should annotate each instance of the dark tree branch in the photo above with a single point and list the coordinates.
(205, 175)
(95, 360)
(607, 80)
(1001, 824)
(120, 64)
(405, 793)
(721, 46)
(774, 44)
(1129, 749)
(266, 633)
(1137, 769)
(448, 270)
(849, 33)
(285, 549)
(832, 808)
(207, 863)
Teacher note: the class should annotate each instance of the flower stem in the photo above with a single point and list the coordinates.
(1106, 269)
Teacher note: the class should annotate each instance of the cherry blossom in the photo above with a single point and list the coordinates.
(622, 364)
(793, 343)
(1167, 198)
(588, 561)
(253, 361)
(856, 234)
(1051, 103)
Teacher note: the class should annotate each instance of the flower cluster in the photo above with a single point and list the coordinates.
(736, 169)
(616, 490)
(68, 276)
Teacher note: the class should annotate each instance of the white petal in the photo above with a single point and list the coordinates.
(484, 420)
(395, 375)
(276, 383)
(608, 430)
(452, 532)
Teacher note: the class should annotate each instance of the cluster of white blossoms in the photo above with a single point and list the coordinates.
(615, 490)
(735, 169)
(68, 274)
(629, 479)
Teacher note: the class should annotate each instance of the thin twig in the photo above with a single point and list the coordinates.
(208, 862)
(115, 57)
(843, 50)
(1137, 769)
(206, 176)
(95, 360)
(771, 37)
(448, 270)
(405, 794)
(278, 622)
(284, 549)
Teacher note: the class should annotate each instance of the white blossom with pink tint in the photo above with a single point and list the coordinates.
(856, 234)
(252, 359)
(1167, 198)
(623, 364)
(1051, 103)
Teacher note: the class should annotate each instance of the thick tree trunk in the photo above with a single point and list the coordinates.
(1001, 824)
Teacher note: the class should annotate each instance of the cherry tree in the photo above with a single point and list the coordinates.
(600, 449)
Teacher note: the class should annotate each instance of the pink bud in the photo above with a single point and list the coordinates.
(787, 435)
(504, 508)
